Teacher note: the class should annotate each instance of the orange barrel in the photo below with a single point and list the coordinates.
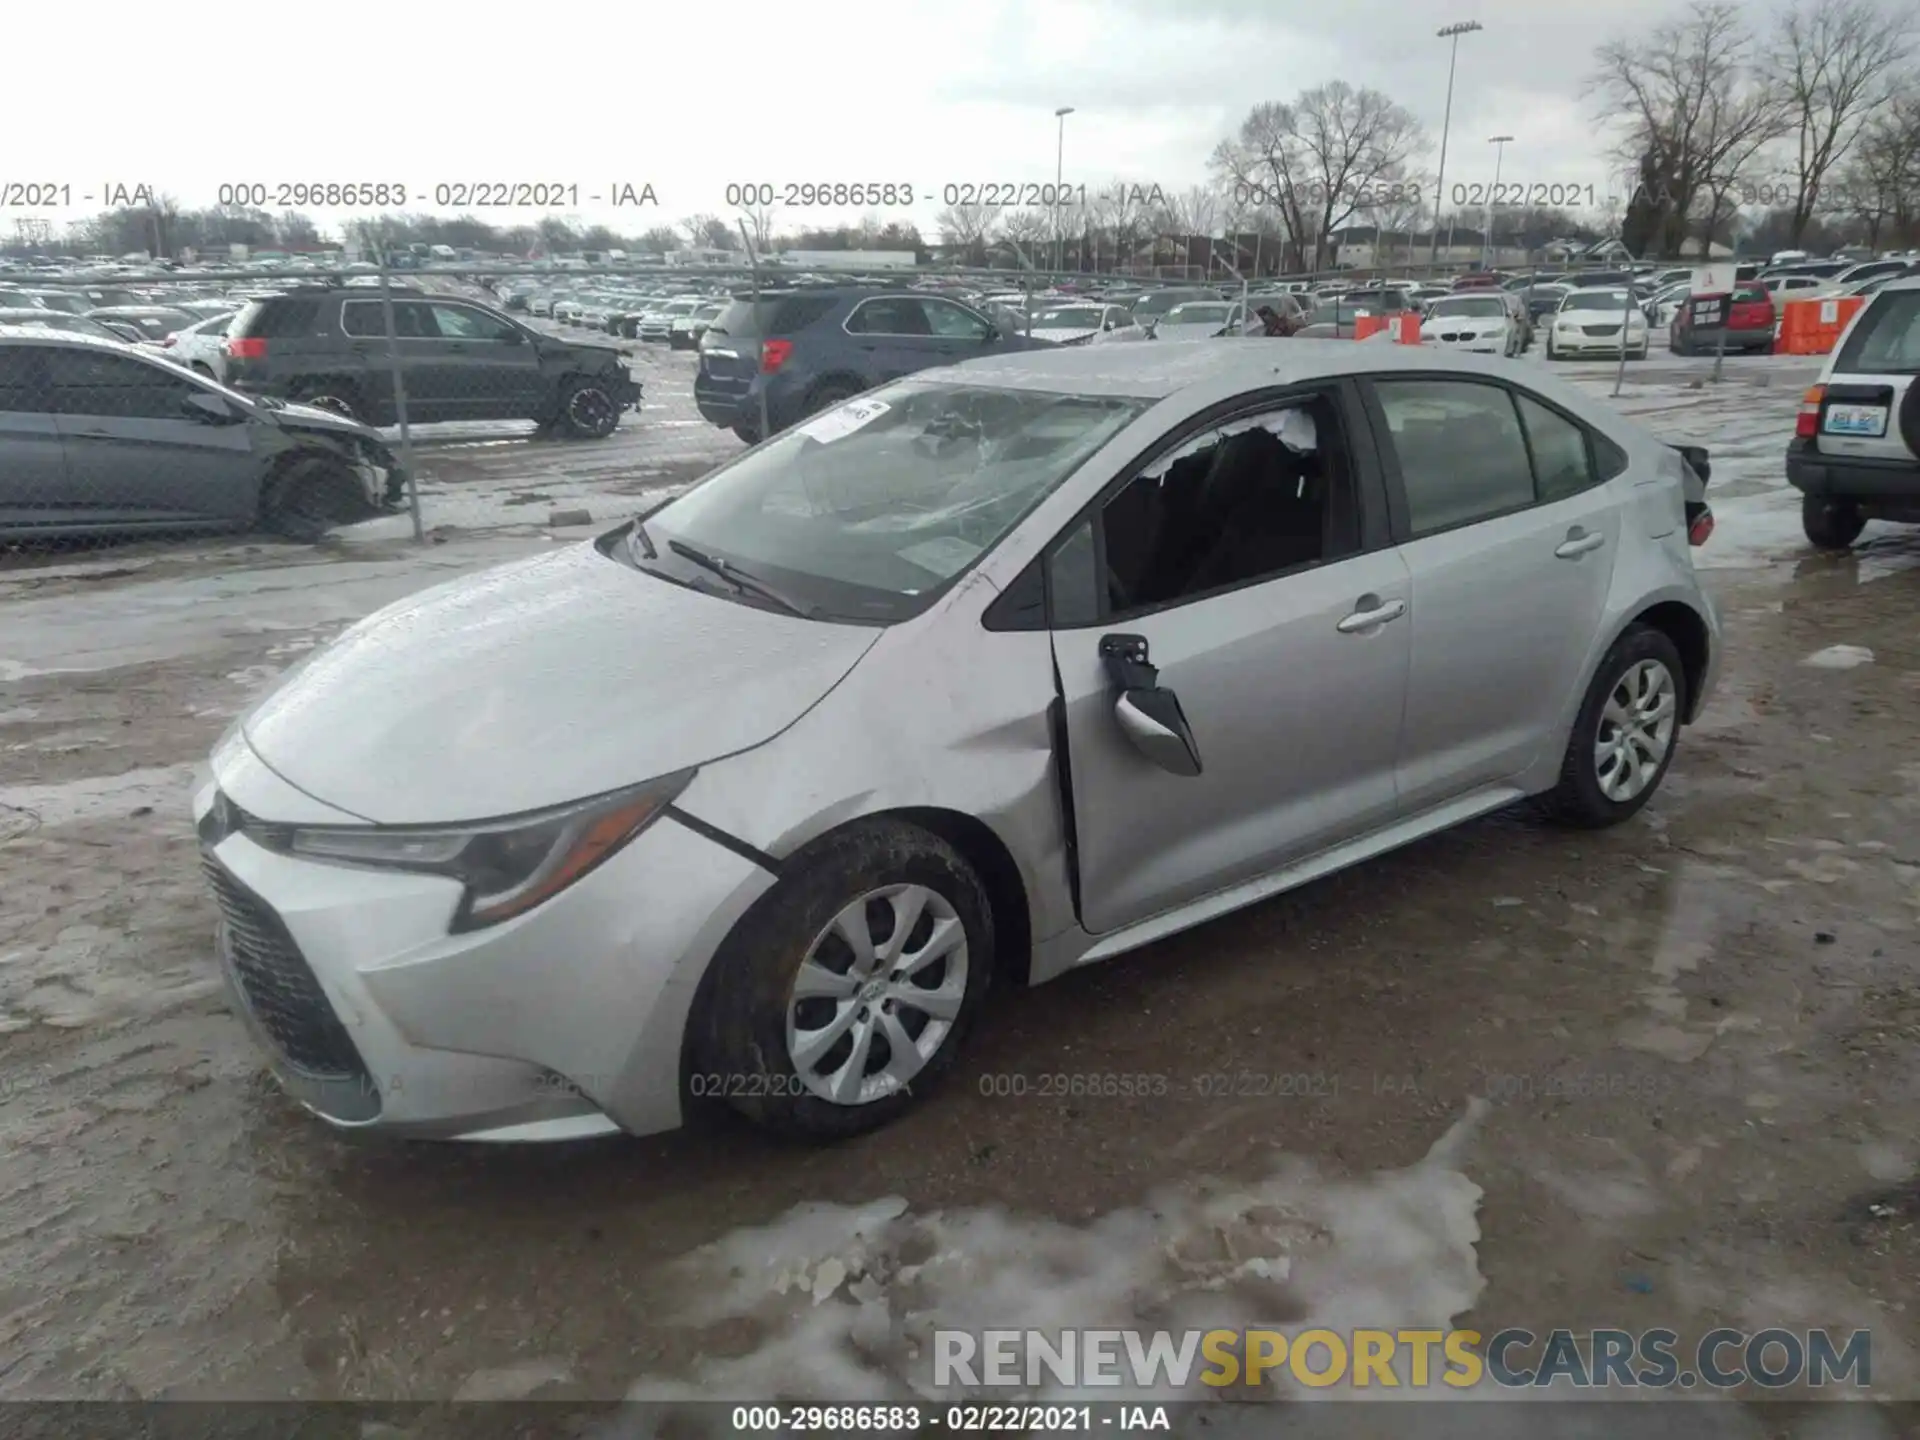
(1406, 328)
(1365, 326)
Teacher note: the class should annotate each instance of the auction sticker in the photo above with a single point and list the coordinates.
(844, 420)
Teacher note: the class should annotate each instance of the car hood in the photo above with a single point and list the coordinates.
(1596, 317)
(313, 417)
(540, 682)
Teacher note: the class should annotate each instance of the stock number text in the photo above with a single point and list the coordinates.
(1315, 192)
(323, 194)
(1521, 192)
(759, 194)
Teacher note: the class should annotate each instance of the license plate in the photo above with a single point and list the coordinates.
(1867, 420)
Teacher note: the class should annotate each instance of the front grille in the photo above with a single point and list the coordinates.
(278, 985)
(1601, 329)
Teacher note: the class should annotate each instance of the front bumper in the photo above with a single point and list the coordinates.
(1892, 482)
(1598, 344)
(563, 1022)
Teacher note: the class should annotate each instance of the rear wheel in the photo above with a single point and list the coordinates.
(1831, 524)
(846, 993)
(1624, 737)
(831, 393)
(339, 396)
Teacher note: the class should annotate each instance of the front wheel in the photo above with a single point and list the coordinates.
(587, 409)
(1831, 524)
(846, 993)
(832, 393)
(1624, 737)
(1553, 354)
(335, 395)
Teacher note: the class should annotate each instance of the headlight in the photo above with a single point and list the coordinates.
(509, 865)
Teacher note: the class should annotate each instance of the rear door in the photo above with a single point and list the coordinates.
(432, 380)
(34, 489)
(894, 337)
(133, 453)
(1874, 367)
(484, 369)
(1509, 533)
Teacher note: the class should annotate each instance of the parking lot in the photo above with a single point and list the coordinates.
(1673, 1063)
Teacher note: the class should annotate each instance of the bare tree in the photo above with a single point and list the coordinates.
(968, 227)
(697, 227)
(1316, 162)
(760, 221)
(1026, 230)
(1118, 214)
(1676, 86)
(1834, 62)
(1880, 183)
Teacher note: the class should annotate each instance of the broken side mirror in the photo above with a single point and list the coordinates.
(1148, 714)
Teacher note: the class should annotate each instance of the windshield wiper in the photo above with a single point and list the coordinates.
(740, 579)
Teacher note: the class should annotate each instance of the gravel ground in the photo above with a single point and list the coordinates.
(1695, 1036)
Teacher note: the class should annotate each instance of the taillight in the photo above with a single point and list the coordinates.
(1807, 425)
(254, 349)
(1702, 527)
(773, 354)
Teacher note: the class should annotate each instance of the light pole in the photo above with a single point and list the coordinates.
(1486, 241)
(1453, 33)
(1059, 156)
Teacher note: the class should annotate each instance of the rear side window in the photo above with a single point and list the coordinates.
(412, 320)
(1561, 464)
(117, 386)
(1462, 455)
(1886, 340)
(22, 387)
(278, 318)
(749, 319)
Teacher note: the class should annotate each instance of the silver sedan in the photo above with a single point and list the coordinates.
(988, 674)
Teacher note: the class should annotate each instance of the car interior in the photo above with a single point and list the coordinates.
(1238, 504)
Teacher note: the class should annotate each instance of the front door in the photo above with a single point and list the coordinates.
(134, 452)
(485, 367)
(1240, 561)
(33, 472)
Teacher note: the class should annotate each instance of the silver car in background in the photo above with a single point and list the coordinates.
(987, 674)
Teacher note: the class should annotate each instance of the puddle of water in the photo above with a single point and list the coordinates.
(845, 1299)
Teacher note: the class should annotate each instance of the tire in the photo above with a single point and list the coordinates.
(746, 432)
(1831, 524)
(1642, 352)
(1581, 797)
(587, 409)
(742, 1050)
(1553, 354)
(293, 502)
(1908, 420)
(200, 367)
(342, 397)
(830, 393)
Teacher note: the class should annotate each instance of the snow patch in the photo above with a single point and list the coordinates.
(1839, 657)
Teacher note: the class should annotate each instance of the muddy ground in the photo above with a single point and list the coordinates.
(1697, 1033)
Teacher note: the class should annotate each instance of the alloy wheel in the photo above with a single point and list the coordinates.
(1636, 731)
(591, 410)
(877, 994)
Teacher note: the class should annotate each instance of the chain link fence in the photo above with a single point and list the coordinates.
(423, 399)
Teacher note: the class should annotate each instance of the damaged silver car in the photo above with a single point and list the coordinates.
(98, 438)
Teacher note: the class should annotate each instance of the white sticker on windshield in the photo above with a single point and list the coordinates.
(844, 420)
(943, 555)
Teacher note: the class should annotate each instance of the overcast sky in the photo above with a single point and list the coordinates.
(689, 97)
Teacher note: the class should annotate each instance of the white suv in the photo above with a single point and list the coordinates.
(1855, 454)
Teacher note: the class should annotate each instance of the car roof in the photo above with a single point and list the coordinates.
(40, 333)
(1153, 372)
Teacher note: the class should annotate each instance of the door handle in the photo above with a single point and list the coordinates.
(1578, 543)
(1370, 618)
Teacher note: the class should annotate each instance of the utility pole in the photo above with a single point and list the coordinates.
(1486, 241)
(1059, 160)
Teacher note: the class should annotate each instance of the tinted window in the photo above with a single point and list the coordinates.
(85, 383)
(278, 318)
(457, 322)
(21, 386)
(1886, 340)
(1073, 579)
(1561, 464)
(954, 323)
(412, 319)
(1462, 454)
(891, 316)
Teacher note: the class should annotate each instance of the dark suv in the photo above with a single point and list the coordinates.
(328, 346)
(809, 349)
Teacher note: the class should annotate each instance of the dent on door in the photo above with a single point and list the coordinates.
(1148, 713)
